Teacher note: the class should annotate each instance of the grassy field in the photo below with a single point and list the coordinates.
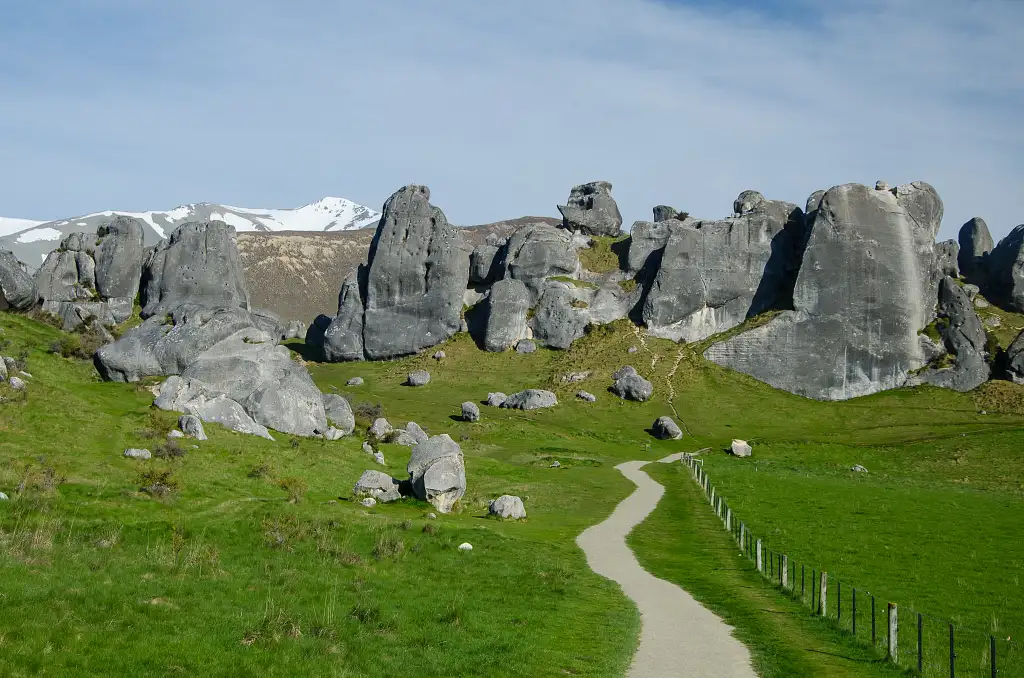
(258, 563)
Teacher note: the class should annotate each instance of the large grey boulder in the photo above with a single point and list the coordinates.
(294, 329)
(378, 485)
(482, 264)
(416, 432)
(866, 288)
(338, 412)
(665, 213)
(946, 258)
(496, 398)
(715, 274)
(629, 385)
(537, 252)
(167, 344)
(975, 244)
(343, 337)
(418, 378)
(226, 412)
(17, 289)
(470, 411)
(591, 209)
(198, 264)
(1003, 283)
(192, 426)
(1015, 360)
(964, 337)
(647, 242)
(419, 269)
(530, 399)
(506, 309)
(380, 429)
(558, 322)
(665, 428)
(437, 472)
(507, 507)
(118, 257)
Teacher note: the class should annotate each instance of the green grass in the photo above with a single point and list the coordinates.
(258, 563)
(604, 254)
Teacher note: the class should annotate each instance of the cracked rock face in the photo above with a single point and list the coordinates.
(866, 287)
(964, 337)
(17, 290)
(535, 253)
(437, 472)
(715, 274)
(975, 244)
(1003, 282)
(592, 210)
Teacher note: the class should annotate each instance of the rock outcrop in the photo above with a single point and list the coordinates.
(665, 428)
(535, 253)
(947, 259)
(199, 265)
(629, 385)
(560, 318)
(437, 472)
(530, 399)
(866, 287)
(339, 413)
(506, 310)
(1003, 282)
(591, 209)
(507, 507)
(715, 274)
(17, 290)
(964, 337)
(379, 486)
(975, 244)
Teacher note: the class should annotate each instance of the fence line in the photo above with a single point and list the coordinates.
(919, 643)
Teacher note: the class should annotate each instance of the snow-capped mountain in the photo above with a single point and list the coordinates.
(31, 240)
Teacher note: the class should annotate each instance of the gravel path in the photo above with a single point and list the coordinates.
(679, 637)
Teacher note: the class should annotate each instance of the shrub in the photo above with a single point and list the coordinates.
(628, 285)
(388, 545)
(158, 483)
(367, 412)
(170, 449)
(295, 487)
(260, 471)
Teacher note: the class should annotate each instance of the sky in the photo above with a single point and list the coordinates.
(500, 108)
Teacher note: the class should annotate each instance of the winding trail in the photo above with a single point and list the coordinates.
(678, 636)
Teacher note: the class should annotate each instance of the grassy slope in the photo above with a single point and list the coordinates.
(286, 588)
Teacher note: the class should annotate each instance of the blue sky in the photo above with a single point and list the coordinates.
(501, 107)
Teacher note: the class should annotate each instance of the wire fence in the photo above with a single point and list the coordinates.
(906, 637)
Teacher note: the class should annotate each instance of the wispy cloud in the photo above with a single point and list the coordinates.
(502, 107)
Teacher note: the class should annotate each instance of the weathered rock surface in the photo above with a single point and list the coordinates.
(629, 385)
(537, 252)
(418, 271)
(470, 411)
(664, 213)
(1003, 283)
(591, 209)
(496, 399)
(118, 257)
(946, 258)
(437, 472)
(343, 337)
(865, 289)
(192, 426)
(199, 265)
(647, 242)
(17, 289)
(136, 453)
(226, 412)
(665, 428)
(975, 244)
(295, 329)
(381, 429)
(416, 432)
(506, 309)
(418, 378)
(482, 269)
(558, 322)
(740, 448)
(526, 346)
(507, 507)
(586, 396)
(964, 337)
(530, 399)
(354, 381)
(338, 412)
(715, 274)
(377, 485)
(1015, 360)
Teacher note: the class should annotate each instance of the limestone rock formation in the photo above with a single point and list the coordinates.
(377, 485)
(1015, 360)
(530, 399)
(535, 253)
(381, 429)
(629, 385)
(947, 258)
(470, 411)
(198, 264)
(418, 378)
(437, 472)
(592, 210)
(338, 412)
(343, 337)
(495, 399)
(17, 290)
(1003, 283)
(507, 507)
(715, 274)
(975, 244)
(418, 271)
(665, 428)
(866, 287)
(506, 309)
(964, 337)
(558, 321)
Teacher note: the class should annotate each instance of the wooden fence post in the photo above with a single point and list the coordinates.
(823, 595)
(759, 556)
(713, 496)
(785, 571)
(893, 636)
(728, 520)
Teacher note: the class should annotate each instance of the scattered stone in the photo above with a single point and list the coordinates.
(381, 429)
(981, 302)
(575, 377)
(135, 453)
(355, 381)
(25, 374)
(192, 426)
(530, 399)
(416, 431)
(857, 468)
(526, 346)
(17, 384)
(496, 399)
(665, 428)
(631, 386)
(470, 411)
(440, 355)
(591, 209)
(3, 497)
(586, 396)
(437, 472)
(418, 378)
(432, 516)
(378, 485)
(465, 546)
(333, 434)
(507, 507)
(631, 349)
(379, 458)
(369, 502)
(175, 434)
(339, 413)
(556, 464)
(368, 448)
(741, 448)
(971, 291)
(993, 321)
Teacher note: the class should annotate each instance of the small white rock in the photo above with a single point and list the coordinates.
(465, 546)
(368, 502)
(25, 374)
(379, 458)
(741, 448)
(3, 497)
(134, 453)
(175, 434)
(556, 464)
(432, 516)
(17, 384)
(857, 468)
(354, 381)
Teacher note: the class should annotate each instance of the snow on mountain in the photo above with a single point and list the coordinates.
(31, 240)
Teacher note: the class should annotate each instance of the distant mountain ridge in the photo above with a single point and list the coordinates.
(32, 240)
